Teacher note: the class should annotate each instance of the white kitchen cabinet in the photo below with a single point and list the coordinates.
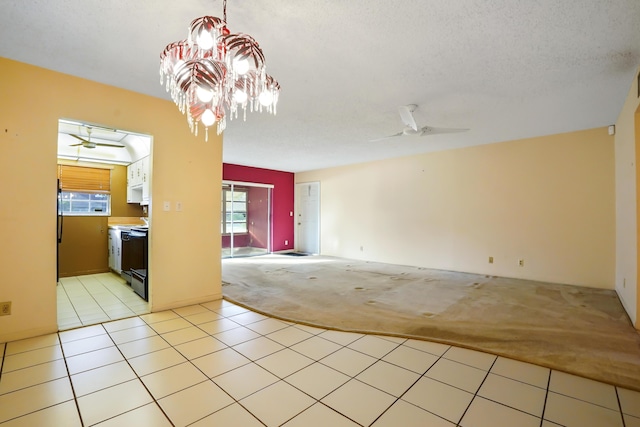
(135, 173)
(115, 250)
(134, 194)
(112, 261)
(145, 181)
(131, 174)
(134, 189)
(138, 182)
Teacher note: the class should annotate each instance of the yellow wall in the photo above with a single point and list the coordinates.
(84, 244)
(119, 205)
(627, 138)
(633, 286)
(549, 201)
(83, 249)
(184, 265)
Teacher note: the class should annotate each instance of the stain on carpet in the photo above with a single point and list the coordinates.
(578, 330)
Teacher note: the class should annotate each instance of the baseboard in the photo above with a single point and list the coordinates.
(184, 302)
(27, 333)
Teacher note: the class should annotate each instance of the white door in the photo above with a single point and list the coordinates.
(308, 220)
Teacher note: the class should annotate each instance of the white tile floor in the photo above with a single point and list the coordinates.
(96, 298)
(219, 364)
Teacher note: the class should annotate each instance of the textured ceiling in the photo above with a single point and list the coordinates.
(505, 69)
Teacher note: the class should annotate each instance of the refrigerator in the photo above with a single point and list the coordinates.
(59, 225)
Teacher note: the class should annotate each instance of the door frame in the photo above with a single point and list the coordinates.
(233, 183)
(299, 185)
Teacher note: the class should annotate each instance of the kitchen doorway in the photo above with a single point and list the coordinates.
(104, 182)
(246, 219)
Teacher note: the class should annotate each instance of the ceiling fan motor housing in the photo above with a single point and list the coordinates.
(410, 131)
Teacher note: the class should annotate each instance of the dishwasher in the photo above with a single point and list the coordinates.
(134, 259)
(139, 282)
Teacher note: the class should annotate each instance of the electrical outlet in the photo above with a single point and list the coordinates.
(5, 308)
(521, 262)
(286, 242)
(490, 260)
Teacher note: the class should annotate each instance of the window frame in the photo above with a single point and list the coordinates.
(64, 202)
(225, 230)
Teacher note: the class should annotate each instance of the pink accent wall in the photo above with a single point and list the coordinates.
(282, 204)
(239, 240)
(257, 215)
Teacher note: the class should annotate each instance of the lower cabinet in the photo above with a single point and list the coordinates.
(115, 250)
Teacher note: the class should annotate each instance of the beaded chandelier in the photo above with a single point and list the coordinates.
(213, 73)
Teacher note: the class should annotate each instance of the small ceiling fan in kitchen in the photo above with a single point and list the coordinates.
(87, 143)
(412, 129)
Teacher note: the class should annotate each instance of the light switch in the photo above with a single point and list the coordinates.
(166, 206)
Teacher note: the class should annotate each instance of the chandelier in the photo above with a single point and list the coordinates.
(213, 73)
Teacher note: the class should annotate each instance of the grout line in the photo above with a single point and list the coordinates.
(140, 380)
(261, 335)
(64, 289)
(4, 355)
(620, 407)
(411, 386)
(546, 397)
(314, 362)
(109, 286)
(477, 390)
(73, 389)
(92, 294)
(196, 367)
(211, 378)
(582, 400)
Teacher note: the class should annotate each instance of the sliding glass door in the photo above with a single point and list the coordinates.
(246, 219)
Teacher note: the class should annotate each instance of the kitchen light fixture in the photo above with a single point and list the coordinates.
(213, 73)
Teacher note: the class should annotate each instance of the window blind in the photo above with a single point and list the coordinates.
(84, 179)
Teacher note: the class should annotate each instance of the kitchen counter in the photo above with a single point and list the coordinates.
(125, 222)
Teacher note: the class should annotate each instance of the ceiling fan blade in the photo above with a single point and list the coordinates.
(428, 130)
(75, 145)
(79, 138)
(386, 137)
(406, 116)
(109, 145)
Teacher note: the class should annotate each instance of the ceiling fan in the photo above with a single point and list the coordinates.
(87, 143)
(411, 128)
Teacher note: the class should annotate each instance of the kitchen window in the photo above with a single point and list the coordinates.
(234, 210)
(85, 191)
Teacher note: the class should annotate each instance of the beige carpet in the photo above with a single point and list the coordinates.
(578, 330)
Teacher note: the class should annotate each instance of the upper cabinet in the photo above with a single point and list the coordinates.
(145, 180)
(134, 173)
(138, 182)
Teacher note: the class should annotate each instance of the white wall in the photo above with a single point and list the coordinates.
(549, 201)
